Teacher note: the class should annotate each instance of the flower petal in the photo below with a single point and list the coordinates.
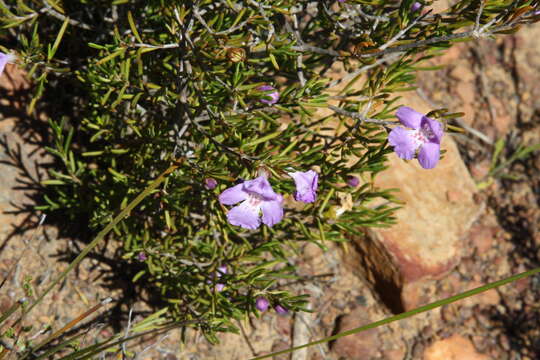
(261, 187)
(262, 304)
(233, 195)
(221, 270)
(244, 215)
(434, 129)
(306, 185)
(409, 117)
(402, 141)
(4, 59)
(272, 211)
(429, 154)
(271, 97)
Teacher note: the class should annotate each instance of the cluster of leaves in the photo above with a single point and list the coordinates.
(137, 86)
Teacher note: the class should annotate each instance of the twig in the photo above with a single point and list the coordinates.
(466, 34)
(126, 334)
(400, 48)
(149, 46)
(402, 32)
(156, 344)
(360, 117)
(272, 30)
(299, 60)
(246, 338)
(301, 333)
(199, 17)
(27, 243)
(49, 10)
(478, 16)
(315, 49)
(468, 128)
(377, 18)
(365, 68)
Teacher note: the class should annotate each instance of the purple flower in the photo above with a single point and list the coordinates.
(306, 185)
(210, 183)
(353, 181)
(141, 256)
(221, 270)
(261, 304)
(256, 195)
(342, 0)
(274, 95)
(281, 310)
(416, 6)
(4, 59)
(425, 136)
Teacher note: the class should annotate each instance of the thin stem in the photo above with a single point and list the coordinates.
(361, 118)
(71, 324)
(410, 313)
(402, 32)
(124, 213)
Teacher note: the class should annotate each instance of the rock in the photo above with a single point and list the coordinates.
(527, 64)
(453, 348)
(396, 354)
(425, 242)
(363, 345)
(463, 73)
(490, 297)
(480, 170)
(482, 238)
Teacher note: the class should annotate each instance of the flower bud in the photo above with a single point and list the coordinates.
(261, 304)
(236, 55)
(274, 95)
(353, 181)
(416, 6)
(210, 183)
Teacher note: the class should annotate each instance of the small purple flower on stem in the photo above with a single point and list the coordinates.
(256, 196)
(416, 6)
(4, 59)
(261, 304)
(273, 95)
(425, 136)
(281, 310)
(353, 181)
(210, 183)
(220, 272)
(342, 0)
(141, 256)
(306, 185)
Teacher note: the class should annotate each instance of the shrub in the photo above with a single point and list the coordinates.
(239, 95)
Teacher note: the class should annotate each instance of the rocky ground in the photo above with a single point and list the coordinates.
(461, 227)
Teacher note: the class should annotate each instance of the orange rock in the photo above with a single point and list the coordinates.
(482, 238)
(364, 345)
(453, 348)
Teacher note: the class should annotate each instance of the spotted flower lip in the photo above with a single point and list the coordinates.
(306, 185)
(273, 95)
(424, 136)
(255, 196)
